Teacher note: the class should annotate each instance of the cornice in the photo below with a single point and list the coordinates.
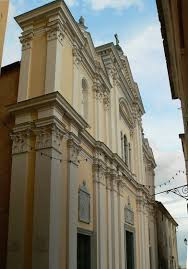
(52, 99)
(148, 153)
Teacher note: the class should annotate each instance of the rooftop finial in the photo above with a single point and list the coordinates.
(117, 39)
(82, 22)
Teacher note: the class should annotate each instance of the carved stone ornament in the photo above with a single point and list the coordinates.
(101, 176)
(106, 100)
(48, 137)
(55, 31)
(77, 57)
(26, 40)
(74, 150)
(21, 141)
(84, 204)
(129, 214)
(108, 180)
(97, 90)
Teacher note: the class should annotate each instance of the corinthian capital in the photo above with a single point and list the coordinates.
(49, 137)
(74, 149)
(77, 57)
(21, 141)
(55, 31)
(26, 40)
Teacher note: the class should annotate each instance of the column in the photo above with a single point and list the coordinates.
(24, 79)
(54, 57)
(73, 152)
(19, 204)
(115, 222)
(100, 217)
(48, 197)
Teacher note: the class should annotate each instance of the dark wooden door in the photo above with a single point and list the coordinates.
(83, 251)
(130, 250)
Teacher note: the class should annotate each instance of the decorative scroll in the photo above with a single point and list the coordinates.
(129, 214)
(84, 204)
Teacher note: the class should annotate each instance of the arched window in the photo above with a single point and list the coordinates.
(84, 101)
(126, 149)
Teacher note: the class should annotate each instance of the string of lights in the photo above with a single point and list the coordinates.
(42, 153)
(85, 159)
(164, 183)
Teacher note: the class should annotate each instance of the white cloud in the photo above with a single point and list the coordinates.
(116, 4)
(145, 52)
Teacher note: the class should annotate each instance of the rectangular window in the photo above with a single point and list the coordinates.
(83, 251)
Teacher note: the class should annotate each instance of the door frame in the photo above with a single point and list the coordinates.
(131, 229)
(89, 233)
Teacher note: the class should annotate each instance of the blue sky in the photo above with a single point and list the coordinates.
(136, 22)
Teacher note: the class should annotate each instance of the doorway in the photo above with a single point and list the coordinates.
(83, 251)
(130, 250)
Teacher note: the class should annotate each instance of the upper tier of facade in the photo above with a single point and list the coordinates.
(58, 55)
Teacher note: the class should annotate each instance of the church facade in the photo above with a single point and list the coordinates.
(82, 171)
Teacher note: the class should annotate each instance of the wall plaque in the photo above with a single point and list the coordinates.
(84, 204)
(129, 214)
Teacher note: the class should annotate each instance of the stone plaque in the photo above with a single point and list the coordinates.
(84, 204)
(129, 214)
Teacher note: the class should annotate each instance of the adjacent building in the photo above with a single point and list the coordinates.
(3, 22)
(77, 172)
(174, 21)
(166, 238)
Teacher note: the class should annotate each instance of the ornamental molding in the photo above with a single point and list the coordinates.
(126, 112)
(21, 141)
(99, 172)
(129, 213)
(49, 137)
(84, 204)
(121, 186)
(106, 100)
(26, 39)
(74, 149)
(55, 31)
(77, 55)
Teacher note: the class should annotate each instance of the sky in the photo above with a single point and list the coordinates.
(136, 22)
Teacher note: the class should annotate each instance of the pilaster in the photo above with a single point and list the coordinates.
(76, 74)
(109, 219)
(100, 209)
(24, 79)
(55, 36)
(115, 220)
(48, 197)
(121, 223)
(73, 153)
(21, 185)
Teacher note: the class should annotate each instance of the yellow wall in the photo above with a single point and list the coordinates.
(38, 67)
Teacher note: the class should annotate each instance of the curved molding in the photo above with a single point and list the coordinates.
(126, 112)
